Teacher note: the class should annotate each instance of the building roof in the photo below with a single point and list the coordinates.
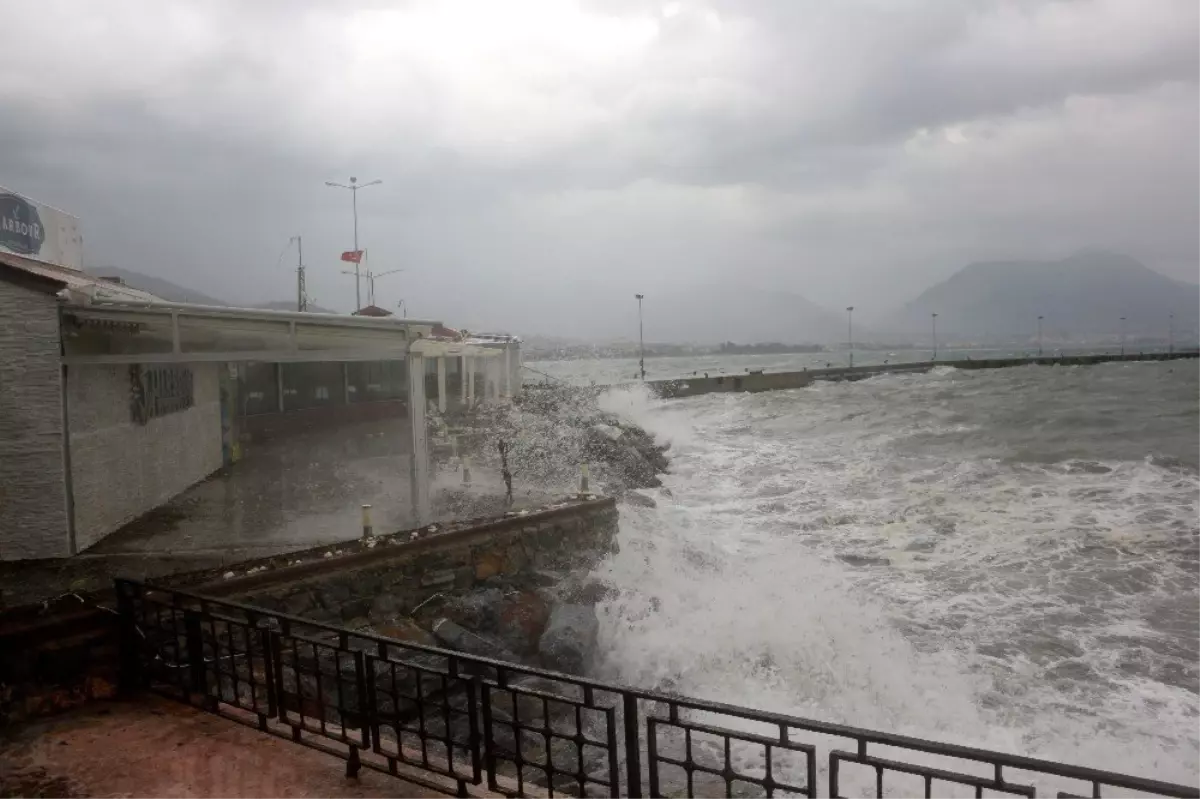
(77, 285)
(31, 280)
(372, 310)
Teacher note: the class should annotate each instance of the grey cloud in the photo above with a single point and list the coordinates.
(823, 148)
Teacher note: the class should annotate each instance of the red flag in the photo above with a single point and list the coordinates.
(353, 256)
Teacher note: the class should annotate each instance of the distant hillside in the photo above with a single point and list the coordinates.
(289, 305)
(714, 314)
(1083, 295)
(172, 292)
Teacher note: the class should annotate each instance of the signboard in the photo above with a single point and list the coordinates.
(37, 231)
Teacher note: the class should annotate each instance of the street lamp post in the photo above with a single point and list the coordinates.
(1040, 318)
(1122, 336)
(354, 187)
(933, 316)
(850, 331)
(641, 338)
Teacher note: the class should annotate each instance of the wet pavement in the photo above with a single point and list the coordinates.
(290, 493)
(154, 747)
(303, 491)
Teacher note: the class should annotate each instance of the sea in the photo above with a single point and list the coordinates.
(1008, 558)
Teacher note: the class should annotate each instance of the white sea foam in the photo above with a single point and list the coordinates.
(898, 554)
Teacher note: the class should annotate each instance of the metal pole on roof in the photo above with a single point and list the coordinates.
(301, 290)
(641, 338)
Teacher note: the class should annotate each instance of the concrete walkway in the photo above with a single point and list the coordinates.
(154, 747)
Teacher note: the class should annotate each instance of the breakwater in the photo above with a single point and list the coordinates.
(754, 381)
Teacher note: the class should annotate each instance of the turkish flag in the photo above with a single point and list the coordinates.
(353, 256)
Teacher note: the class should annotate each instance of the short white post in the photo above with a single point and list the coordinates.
(419, 462)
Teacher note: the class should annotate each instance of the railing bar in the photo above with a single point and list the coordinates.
(728, 768)
(546, 743)
(421, 731)
(446, 724)
(769, 771)
(233, 675)
(879, 782)
(320, 689)
(396, 709)
(610, 728)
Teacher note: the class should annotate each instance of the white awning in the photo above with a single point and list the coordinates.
(164, 332)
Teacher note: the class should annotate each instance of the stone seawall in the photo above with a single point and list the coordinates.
(343, 584)
(54, 657)
(776, 381)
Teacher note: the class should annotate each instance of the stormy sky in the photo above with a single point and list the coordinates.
(543, 160)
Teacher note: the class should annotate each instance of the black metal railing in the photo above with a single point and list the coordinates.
(447, 721)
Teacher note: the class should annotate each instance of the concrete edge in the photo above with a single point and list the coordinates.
(395, 546)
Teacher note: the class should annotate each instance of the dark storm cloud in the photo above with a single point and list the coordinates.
(542, 158)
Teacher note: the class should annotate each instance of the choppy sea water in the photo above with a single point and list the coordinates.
(1007, 558)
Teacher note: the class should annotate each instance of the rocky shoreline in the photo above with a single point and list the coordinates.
(551, 431)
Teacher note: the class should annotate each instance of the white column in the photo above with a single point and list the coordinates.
(493, 370)
(508, 372)
(419, 460)
(462, 380)
(279, 384)
(441, 383)
(470, 382)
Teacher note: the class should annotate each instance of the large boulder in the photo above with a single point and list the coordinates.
(456, 637)
(569, 642)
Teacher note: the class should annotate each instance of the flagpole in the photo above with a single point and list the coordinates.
(357, 284)
(354, 187)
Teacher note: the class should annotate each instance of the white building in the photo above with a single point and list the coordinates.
(112, 401)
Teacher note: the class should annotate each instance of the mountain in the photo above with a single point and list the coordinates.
(1085, 294)
(712, 314)
(288, 305)
(172, 292)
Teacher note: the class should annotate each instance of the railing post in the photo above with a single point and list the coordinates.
(195, 647)
(268, 649)
(633, 744)
(131, 679)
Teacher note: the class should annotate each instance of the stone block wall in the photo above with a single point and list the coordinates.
(341, 589)
(33, 500)
(55, 658)
(121, 469)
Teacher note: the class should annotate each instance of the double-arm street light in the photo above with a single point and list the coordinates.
(641, 338)
(354, 187)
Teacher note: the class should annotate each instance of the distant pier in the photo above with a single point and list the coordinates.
(775, 381)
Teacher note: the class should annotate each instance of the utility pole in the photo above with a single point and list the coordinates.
(371, 282)
(301, 290)
(934, 318)
(1122, 336)
(850, 332)
(641, 338)
(1040, 318)
(354, 187)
